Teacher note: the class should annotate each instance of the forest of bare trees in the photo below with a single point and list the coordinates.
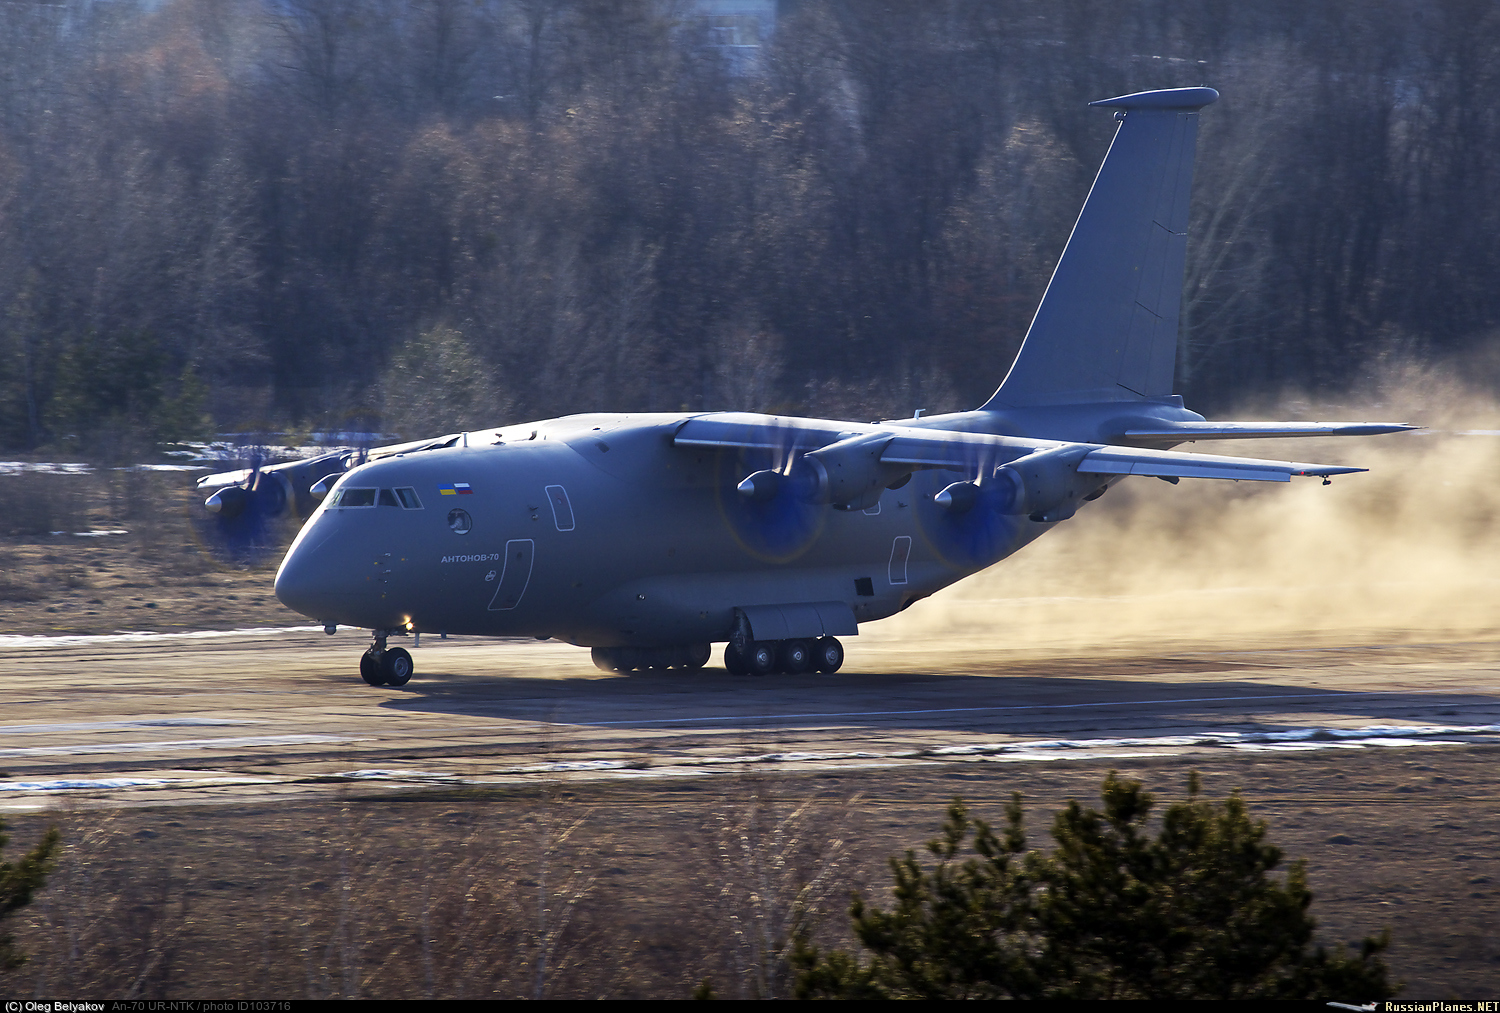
(423, 215)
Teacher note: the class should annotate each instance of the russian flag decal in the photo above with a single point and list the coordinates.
(456, 489)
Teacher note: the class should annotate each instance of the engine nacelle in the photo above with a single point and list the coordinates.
(850, 475)
(1044, 485)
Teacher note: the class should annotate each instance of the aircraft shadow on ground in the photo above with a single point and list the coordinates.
(1023, 704)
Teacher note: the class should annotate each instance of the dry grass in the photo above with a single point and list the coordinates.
(644, 890)
(157, 576)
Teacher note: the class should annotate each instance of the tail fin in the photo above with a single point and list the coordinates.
(1107, 326)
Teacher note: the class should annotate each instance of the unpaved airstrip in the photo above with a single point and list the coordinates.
(157, 719)
(209, 754)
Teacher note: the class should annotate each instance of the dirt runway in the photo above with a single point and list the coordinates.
(173, 718)
(236, 758)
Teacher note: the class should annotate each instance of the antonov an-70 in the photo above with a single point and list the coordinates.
(650, 537)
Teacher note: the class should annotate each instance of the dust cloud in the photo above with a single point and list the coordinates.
(1409, 552)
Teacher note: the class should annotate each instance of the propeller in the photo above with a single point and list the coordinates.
(251, 512)
(766, 497)
(971, 516)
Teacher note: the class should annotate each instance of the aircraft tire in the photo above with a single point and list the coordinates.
(828, 655)
(794, 656)
(695, 656)
(734, 662)
(604, 659)
(370, 670)
(396, 665)
(761, 658)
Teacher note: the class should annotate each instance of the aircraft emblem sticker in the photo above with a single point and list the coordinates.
(456, 489)
(460, 522)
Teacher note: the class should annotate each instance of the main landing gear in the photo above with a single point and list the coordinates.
(762, 657)
(385, 666)
(689, 658)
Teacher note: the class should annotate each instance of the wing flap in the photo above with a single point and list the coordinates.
(1179, 432)
(1167, 464)
(762, 432)
(937, 449)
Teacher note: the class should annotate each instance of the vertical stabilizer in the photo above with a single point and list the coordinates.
(1107, 326)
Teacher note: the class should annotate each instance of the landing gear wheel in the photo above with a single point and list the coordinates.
(370, 670)
(796, 656)
(734, 662)
(695, 656)
(761, 658)
(828, 655)
(396, 666)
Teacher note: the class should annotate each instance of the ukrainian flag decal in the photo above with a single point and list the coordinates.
(455, 489)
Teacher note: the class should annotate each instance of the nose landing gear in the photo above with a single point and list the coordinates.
(383, 666)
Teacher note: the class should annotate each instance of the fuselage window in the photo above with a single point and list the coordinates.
(388, 498)
(356, 498)
(408, 498)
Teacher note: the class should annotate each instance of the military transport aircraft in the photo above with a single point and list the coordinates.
(650, 537)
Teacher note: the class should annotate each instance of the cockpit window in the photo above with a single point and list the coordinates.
(406, 498)
(355, 498)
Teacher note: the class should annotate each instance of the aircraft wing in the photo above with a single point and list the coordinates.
(960, 451)
(316, 467)
(1183, 432)
(763, 432)
(1168, 464)
(311, 469)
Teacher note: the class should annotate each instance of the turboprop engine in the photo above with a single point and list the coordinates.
(1045, 485)
(848, 475)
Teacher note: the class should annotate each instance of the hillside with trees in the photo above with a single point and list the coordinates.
(220, 214)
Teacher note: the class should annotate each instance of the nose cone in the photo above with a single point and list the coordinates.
(317, 579)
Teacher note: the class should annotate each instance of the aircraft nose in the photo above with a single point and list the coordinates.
(314, 582)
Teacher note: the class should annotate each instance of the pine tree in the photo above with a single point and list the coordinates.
(1191, 912)
(18, 882)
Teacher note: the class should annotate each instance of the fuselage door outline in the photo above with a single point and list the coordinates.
(900, 550)
(562, 509)
(515, 576)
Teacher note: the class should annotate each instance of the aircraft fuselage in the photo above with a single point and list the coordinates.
(599, 531)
